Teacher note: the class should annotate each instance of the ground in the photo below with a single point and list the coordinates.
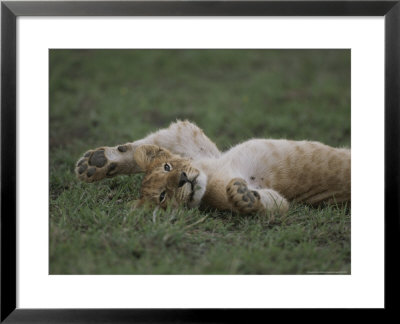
(112, 97)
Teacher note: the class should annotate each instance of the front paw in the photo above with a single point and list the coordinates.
(94, 165)
(242, 199)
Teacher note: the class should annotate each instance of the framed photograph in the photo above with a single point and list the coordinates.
(164, 158)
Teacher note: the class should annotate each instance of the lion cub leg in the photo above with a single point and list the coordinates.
(247, 201)
(182, 137)
(106, 162)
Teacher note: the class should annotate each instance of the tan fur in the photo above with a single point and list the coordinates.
(259, 175)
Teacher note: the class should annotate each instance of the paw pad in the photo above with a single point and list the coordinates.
(82, 168)
(98, 159)
(243, 199)
(94, 165)
(90, 172)
(122, 148)
(111, 168)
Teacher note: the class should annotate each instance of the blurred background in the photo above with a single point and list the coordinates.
(109, 97)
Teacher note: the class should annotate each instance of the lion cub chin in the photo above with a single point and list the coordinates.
(199, 190)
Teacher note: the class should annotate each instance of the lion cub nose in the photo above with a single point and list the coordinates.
(183, 179)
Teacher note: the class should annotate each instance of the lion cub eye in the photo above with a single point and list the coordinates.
(167, 167)
(162, 196)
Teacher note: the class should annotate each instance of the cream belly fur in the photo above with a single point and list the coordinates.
(256, 175)
(308, 172)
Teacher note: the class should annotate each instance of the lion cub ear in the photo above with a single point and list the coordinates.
(145, 155)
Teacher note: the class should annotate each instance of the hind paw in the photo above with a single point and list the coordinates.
(242, 199)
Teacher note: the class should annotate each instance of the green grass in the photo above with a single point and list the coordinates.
(109, 97)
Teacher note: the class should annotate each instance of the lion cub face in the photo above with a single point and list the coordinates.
(169, 179)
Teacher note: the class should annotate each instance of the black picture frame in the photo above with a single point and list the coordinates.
(11, 10)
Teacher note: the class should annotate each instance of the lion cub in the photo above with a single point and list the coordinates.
(183, 166)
